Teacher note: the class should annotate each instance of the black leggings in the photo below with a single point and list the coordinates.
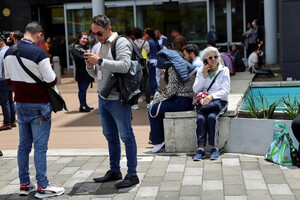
(296, 128)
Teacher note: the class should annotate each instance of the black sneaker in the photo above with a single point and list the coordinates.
(128, 181)
(109, 176)
(84, 109)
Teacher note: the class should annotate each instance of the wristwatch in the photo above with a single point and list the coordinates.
(100, 60)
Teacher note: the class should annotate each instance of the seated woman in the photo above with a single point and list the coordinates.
(208, 120)
(177, 96)
(238, 62)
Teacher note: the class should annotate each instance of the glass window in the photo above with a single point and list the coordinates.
(237, 20)
(121, 18)
(188, 18)
(220, 20)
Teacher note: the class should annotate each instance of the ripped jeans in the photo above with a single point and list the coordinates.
(34, 120)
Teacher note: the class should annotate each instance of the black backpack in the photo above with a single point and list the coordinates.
(128, 84)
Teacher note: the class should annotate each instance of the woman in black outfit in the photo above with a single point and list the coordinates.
(296, 130)
(81, 76)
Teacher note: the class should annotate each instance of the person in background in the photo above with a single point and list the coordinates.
(296, 130)
(17, 36)
(142, 44)
(162, 40)
(154, 48)
(178, 40)
(212, 36)
(92, 40)
(228, 61)
(253, 63)
(191, 54)
(208, 121)
(114, 115)
(81, 76)
(33, 110)
(236, 57)
(248, 41)
(128, 34)
(47, 46)
(6, 96)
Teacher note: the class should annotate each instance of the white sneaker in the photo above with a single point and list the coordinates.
(49, 191)
(135, 107)
(157, 147)
(25, 190)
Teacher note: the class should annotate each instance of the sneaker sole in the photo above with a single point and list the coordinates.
(41, 196)
(214, 158)
(197, 159)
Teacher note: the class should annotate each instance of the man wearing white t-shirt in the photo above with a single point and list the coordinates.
(253, 63)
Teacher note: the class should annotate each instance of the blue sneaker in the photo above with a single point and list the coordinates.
(199, 155)
(214, 154)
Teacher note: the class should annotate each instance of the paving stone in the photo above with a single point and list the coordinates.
(232, 170)
(258, 195)
(175, 168)
(79, 176)
(212, 175)
(152, 181)
(89, 166)
(170, 185)
(252, 174)
(192, 180)
(59, 180)
(162, 158)
(296, 193)
(69, 170)
(189, 198)
(255, 185)
(232, 162)
(64, 160)
(233, 179)
(124, 196)
(285, 197)
(95, 198)
(248, 158)
(212, 195)
(191, 163)
(190, 190)
(250, 166)
(158, 164)
(147, 191)
(235, 190)
(142, 168)
(87, 188)
(229, 155)
(278, 179)
(162, 195)
(212, 185)
(177, 159)
(193, 171)
(96, 159)
(155, 172)
(212, 167)
(271, 169)
(279, 189)
(10, 189)
(173, 176)
(290, 174)
(294, 183)
(56, 166)
(235, 197)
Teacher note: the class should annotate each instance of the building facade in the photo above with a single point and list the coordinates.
(65, 19)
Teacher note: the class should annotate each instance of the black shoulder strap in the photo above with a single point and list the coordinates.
(213, 81)
(142, 45)
(34, 77)
(113, 47)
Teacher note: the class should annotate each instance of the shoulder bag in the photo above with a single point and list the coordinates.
(56, 100)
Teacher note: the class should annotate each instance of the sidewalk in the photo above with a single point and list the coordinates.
(78, 153)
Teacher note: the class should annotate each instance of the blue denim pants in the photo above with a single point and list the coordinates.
(209, 123)
(82, 88)
(116, 123)
(8, 107)
(34, 120)
(174, 104)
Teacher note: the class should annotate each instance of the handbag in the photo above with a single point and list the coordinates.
(56, 100)
(157, 99)
(214, 105)
(282, 151)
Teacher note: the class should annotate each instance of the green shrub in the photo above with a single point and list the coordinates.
(292, 108)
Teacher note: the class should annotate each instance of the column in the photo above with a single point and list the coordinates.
(271, 42)
(98, 7)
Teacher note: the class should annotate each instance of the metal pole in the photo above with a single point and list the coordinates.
(98, 7)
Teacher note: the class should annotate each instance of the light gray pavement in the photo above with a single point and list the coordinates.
(78, 152)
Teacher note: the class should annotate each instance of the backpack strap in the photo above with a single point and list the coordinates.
(113, 47)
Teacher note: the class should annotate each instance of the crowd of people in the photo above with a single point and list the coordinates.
(192, 78)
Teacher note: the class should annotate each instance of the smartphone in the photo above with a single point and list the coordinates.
(205, 62)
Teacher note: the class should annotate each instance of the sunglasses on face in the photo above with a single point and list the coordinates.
(211, 57)
(99, 34)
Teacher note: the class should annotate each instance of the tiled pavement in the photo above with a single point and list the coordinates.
(163, 176)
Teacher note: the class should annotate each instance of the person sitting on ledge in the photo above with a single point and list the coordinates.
(253, 63)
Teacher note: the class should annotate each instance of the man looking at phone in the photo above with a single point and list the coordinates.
(115, 116)
(191, 54)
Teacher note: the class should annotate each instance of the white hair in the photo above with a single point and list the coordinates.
(210, 49)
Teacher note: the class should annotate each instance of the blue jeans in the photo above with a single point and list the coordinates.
(34, 121)
(152, 78)
(116, 123)
(174, 104)
(209, 123)
(8, 107)
(82, 87)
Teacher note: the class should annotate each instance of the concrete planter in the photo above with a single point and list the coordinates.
(253, 136)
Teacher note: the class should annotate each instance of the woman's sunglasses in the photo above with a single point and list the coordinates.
(99, 34)
(211, 57)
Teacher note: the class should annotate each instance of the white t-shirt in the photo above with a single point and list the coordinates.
(253, 58)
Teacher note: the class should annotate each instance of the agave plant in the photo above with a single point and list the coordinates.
(292, 108)
(266, 111)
